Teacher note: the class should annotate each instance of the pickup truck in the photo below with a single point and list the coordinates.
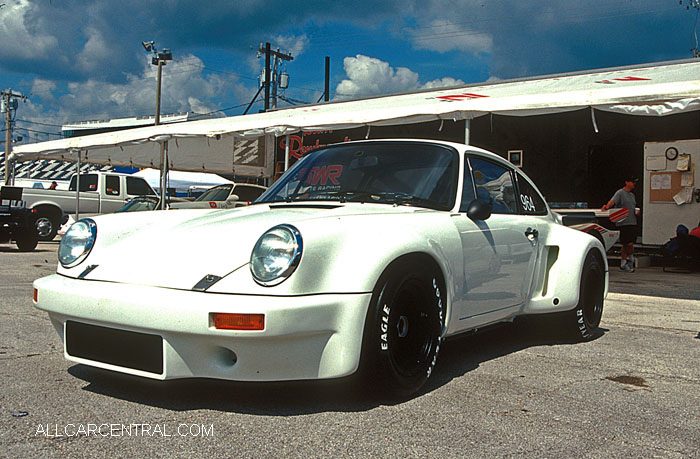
(16, 221)
(100, 193)
(223, 197)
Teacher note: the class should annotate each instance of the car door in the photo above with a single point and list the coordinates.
(499, 253)
(89, 194)
(111, 196)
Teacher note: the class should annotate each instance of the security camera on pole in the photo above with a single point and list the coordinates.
(160, 59)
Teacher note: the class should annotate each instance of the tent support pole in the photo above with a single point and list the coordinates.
(163, 173)
(467, 127)
(595, 125)
(286, 152)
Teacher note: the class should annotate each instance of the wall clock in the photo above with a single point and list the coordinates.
(671, 153)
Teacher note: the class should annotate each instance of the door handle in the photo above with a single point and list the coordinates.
(531, 233)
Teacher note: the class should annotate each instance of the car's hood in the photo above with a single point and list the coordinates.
(176, 249)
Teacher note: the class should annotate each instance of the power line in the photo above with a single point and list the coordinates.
(503, 25)
(293, 101)
(579, 14)
(41, 132)
(37, 122)
(220, 110)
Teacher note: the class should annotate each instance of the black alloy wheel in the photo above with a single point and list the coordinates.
(403, 331)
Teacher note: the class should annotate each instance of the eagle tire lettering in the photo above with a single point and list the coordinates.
(436, 289)
(384, 328)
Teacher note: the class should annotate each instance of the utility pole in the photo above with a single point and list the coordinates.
(273, 76)
(9, 103)
(267, 76)
(327, 86)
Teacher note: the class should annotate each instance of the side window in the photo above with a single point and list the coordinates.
(467, 187)
(136, 186)
(247, 193)
(494, 184)
(112, 185)
(88, 182)
(531, 202)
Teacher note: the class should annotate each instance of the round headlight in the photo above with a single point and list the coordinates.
(276, 255)
(77, 243)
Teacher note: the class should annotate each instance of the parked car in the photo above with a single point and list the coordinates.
(141, 203)
(586, 221)
(100, 193)
(224, 197)
(361, 259)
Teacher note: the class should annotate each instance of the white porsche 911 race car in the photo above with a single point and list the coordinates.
(361, 259)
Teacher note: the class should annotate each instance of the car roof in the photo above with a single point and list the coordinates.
(460, 147)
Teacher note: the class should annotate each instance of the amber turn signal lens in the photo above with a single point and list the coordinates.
(36, 295)
(229, 321)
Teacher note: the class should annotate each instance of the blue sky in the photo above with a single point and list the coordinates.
(83, 60)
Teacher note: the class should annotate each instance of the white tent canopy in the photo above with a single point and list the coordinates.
(229, 145)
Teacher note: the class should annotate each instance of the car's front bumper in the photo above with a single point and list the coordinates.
(305, 337)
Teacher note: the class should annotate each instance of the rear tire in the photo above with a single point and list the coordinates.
(403, 330)
(26, 242)
(584, 320)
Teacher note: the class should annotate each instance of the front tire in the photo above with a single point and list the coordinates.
(46, 227)
(583, 321)
(403, 331)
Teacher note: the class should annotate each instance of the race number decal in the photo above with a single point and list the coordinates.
(528, 204)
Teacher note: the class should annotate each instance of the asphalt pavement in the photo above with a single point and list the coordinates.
(519, 390)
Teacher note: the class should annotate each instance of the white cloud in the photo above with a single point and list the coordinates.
(443, 83)
(95, 54)
(184, 89)
(442, 36)
(22, 36)
(369, 76)
(294, 44)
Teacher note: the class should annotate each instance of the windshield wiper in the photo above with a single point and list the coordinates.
(388, 197)
(399, 198)
(392, 197)
(348, 195)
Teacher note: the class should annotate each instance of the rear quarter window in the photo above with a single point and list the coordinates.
(531, 201)
(494, 184)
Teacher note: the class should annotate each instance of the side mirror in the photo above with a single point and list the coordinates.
(479, 210)
(233, 198)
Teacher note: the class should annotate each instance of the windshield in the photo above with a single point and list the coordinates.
(139, 204)
(218, 193)
(403, 173)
